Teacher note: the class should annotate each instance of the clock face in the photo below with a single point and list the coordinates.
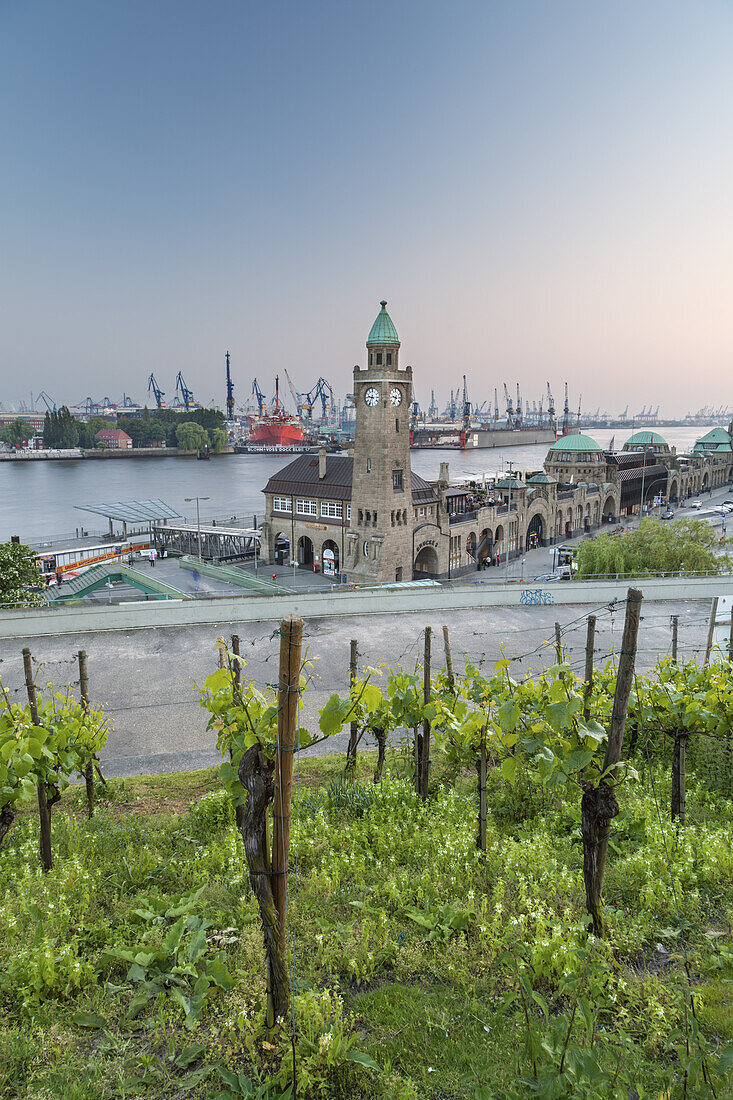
(395, 397)
(371, 397)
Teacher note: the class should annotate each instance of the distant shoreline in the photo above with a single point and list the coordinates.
(78, 453)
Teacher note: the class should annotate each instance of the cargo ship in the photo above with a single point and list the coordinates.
(277, 429)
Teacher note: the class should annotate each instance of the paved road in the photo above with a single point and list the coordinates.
(146, 679)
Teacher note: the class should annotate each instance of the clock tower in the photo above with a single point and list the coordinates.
(379, 540)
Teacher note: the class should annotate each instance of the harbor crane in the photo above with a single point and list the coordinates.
(259, 395)
(551, 409)
(186, 393)
(466, 407)
(297, 397)
(433, 408)
(157, 392)
(509, 408)
(47, 401)
(496, 404)
(580, 402)
(518, 412)
(566, 413)
(230, 393)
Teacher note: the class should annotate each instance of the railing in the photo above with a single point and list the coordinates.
(462, 517)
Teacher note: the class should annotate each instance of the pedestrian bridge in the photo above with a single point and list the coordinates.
(99, 576)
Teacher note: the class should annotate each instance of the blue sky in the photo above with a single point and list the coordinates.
(540, 190)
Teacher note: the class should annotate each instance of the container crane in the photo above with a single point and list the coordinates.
(157, 392)
(186, 393)
(259, 395)
(496, 404)
(297, 398)
(466, 407)
(433, 409)
(580, 402)
(230, 393)
(518, 413)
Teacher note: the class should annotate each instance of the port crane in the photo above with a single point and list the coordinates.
(157, 392)
(496, 404)
(518, 412)
(509, 408)
(186, 394)
(566, 413)
(47, 401)
(259, 395)
(297, 397)
(433, 408)
(466, 407)
(230, 393)
(580, 402)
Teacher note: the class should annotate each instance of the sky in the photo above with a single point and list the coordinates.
(542, 191)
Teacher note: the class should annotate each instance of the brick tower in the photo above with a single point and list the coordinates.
(379, 541)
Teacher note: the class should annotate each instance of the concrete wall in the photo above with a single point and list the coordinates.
(33, 622)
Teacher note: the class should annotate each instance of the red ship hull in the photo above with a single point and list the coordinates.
(277, 432)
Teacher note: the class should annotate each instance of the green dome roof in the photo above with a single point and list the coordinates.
(383, 331)
(508, 483)
(575, 442)
(542, 479)
(716, 440)
(646, 439)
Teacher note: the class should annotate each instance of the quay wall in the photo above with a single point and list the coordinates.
(40, 622)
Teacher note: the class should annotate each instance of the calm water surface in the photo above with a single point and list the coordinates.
(40, 499)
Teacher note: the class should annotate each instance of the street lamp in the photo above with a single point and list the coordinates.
(509, 520)
(198, 517)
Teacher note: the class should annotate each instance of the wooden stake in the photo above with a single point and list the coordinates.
(291, 642)
(589, 644)
(448, 659)
(675, 625)
(237, 662)
(558, 643)
(678, 776)
(482, 808)
(599, 805)
(354, 728)
(711, 630)
(84, 696)
(730, 637)
(425, 763)
(43, 810)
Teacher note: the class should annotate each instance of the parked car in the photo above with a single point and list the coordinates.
(669, 514)
(544, 578)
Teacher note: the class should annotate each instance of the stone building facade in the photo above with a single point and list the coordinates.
(368, 519)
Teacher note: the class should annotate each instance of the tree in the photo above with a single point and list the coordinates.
(60, 430)
(687, 545)
(191, 437)
(219, 439)
(19, 576)
(16, 432)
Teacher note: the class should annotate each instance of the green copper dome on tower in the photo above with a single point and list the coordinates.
(383, 331)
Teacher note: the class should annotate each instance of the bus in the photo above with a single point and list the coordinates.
(55, 563)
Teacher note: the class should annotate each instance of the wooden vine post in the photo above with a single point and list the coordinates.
(448, 659)
(678, 775)
(264, 779)
(84, 696)
(599, 805)
(482, 805)
(558, 643)
(354, 728)
(711, 630)
(675, 628)
(589, 644)
(44, 812)
(425, 761)
(730, 637)
(237, 674)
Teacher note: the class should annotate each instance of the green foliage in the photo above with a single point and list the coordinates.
(683, 546)
(191, 437)
(60, 430)
(219, 440)
(20, 581)
(17, 432)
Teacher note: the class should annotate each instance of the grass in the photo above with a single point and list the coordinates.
(410, 947)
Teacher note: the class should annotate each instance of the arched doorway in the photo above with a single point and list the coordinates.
(705, 480)
(535, 532)
(485, 547)
(282, 549)
(499, 541)
(674, 491)
(471, 547)
(305, 551)
(427, 561)
(330, 558)
(609, 509)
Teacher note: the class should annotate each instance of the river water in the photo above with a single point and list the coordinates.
(40, 500)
